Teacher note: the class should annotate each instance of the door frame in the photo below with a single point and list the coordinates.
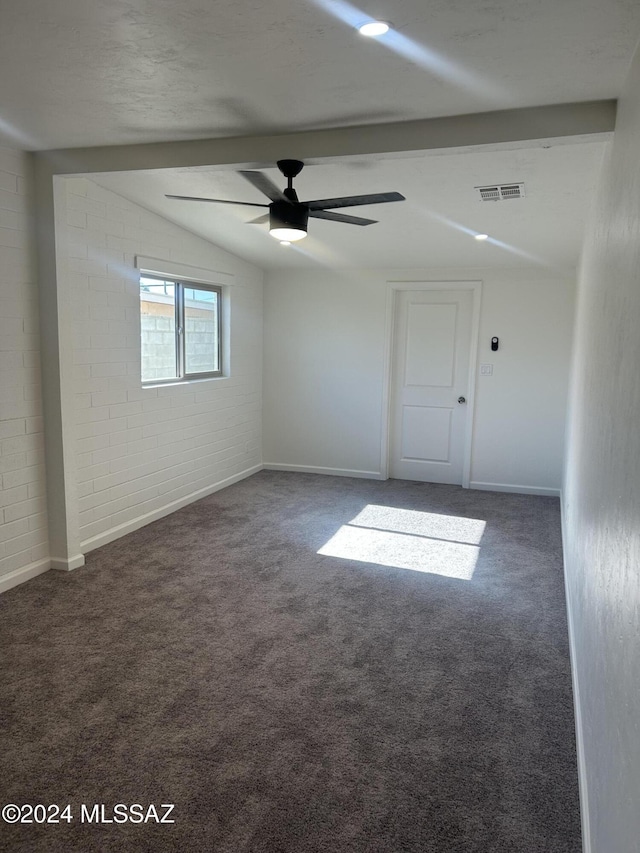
(393, 289)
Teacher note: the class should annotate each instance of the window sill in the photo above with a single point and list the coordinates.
(172, 383)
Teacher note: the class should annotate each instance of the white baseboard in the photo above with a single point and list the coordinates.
(577, 704)
(142, 520)
(515, 489)
(23, 574)
(67, 564)
(332, 472)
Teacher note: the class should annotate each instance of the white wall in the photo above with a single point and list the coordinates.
(323, 369)
(24, 545)
(325, 354)
(601, 498)
(141, 452)
(520, 410)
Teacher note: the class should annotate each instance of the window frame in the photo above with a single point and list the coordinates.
(180, 285)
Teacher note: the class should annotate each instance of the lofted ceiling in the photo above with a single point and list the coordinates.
(434, 227)
(82, 73)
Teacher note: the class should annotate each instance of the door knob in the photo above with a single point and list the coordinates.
(461, 400)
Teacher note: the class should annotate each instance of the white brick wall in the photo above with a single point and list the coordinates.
(23, 516)
(138, 450)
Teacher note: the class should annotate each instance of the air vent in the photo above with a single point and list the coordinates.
(501, 192)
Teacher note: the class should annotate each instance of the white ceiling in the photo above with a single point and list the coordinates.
(101, 72)
(434, 227)
(79, 73)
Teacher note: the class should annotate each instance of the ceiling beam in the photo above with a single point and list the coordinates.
(556, 121)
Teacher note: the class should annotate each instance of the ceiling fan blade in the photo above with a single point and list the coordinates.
(260, 220)
(340, 217)
(264, 184)
(216, 200)
(353, 200)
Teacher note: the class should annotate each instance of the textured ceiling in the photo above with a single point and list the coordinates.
(89, 72)
(77, 73)
(434, 227)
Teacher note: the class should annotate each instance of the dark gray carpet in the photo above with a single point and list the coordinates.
(290, 702)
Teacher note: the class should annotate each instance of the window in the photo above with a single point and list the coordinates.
(179, 330)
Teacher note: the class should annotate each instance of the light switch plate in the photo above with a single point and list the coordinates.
(486, 370)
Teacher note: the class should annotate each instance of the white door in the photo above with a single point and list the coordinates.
(430, 385)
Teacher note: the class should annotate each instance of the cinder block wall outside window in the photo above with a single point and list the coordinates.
(157, 325)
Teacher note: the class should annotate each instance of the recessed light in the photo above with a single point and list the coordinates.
(481, 236)
(373, 28)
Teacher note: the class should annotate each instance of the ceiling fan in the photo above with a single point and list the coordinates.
(287, 216)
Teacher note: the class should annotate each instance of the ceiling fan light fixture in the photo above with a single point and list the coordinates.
(373, 29)
(287, 235)
(288, 222)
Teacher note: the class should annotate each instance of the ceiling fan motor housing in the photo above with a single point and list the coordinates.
(284, 214)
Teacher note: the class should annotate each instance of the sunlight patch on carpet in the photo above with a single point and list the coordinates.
(408, 539)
